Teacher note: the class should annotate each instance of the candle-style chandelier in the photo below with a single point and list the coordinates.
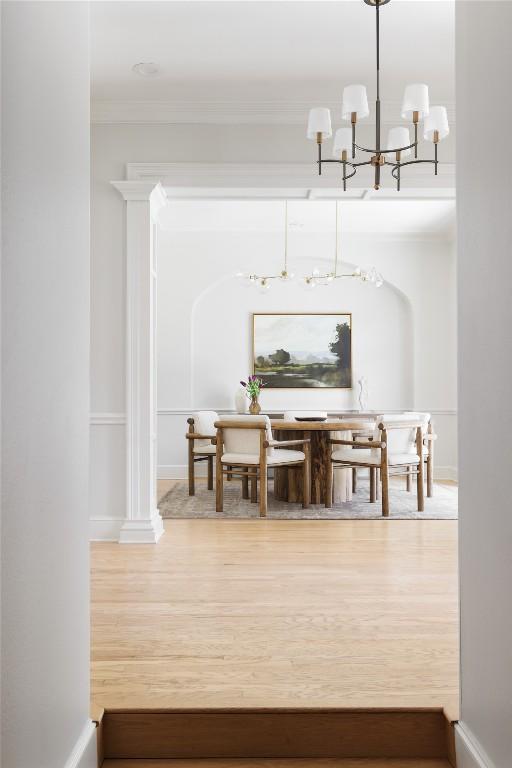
(310, 281)
(415, 107)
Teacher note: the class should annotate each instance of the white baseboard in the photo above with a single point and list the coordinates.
(470, 753)
(142, 531)
(104, 528)
(85, 751)
(446, 473)
(179, 471)
(126, 531)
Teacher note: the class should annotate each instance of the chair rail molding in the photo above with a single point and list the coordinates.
(144, 201)
(113, 418)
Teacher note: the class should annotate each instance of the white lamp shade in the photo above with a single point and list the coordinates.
(415, 100)
(342, 140)
(319, 122)
(398, 137)
(354, 100)
(436, 120)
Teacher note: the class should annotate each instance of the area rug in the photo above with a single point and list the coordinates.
(177, 504)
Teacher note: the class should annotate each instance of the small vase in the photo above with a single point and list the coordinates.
(254, 407)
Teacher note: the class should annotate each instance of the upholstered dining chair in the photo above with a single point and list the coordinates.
(245, 448)
(396, 448)
(201, 445)
(429, 437)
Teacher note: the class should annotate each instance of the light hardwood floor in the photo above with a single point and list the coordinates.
(255, 613)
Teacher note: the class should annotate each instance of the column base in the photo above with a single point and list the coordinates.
(142, 531)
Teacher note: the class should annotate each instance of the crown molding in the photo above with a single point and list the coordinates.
(217, 112)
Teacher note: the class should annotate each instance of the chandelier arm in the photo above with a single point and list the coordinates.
(377, 151)
(345, 177)
(352, 165)
(397, 166)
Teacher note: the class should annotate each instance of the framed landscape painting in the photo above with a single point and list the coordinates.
(303, 350)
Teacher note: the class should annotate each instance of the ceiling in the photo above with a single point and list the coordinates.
(269, 52)
(431, 218)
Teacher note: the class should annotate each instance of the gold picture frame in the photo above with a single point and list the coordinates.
(314, 363)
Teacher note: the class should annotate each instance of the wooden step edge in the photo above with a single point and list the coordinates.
(97, 715)
(276, 733)
(272, 710)
(450, 741)
(344, 762)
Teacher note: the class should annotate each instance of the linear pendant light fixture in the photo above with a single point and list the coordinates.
(415, 107)
(366, 276)
(263, 282)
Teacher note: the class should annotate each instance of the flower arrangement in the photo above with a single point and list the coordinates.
(252, 388)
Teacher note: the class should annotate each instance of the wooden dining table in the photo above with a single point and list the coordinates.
(288, 480)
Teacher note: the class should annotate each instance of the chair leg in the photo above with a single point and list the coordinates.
(229, 477)
(245, 487)
(210, 473)
(408, 479)
(254, 488)
(191, 478)
(373, 485)
(430, 476)
(419, 477)
(219, 486)
(328, 480)
(420, 488)
(306, 474)
(385, 491)
(354, 479)
(263, 492)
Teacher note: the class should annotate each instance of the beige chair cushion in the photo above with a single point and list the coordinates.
(362, 456)
(399, 441)
(204, 425)
(204, 448)
(246, 441)
(281, 456)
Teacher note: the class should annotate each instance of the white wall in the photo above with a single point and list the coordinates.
(484, 64)
(403, 338)
(45, 384)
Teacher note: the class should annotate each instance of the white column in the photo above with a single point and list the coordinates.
(143, 523)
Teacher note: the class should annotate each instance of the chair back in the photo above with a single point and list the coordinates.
(398, 440)
(292, 415)
(245, 441)
(420, 416)
(204, 424)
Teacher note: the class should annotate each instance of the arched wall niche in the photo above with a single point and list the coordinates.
(221, 341)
